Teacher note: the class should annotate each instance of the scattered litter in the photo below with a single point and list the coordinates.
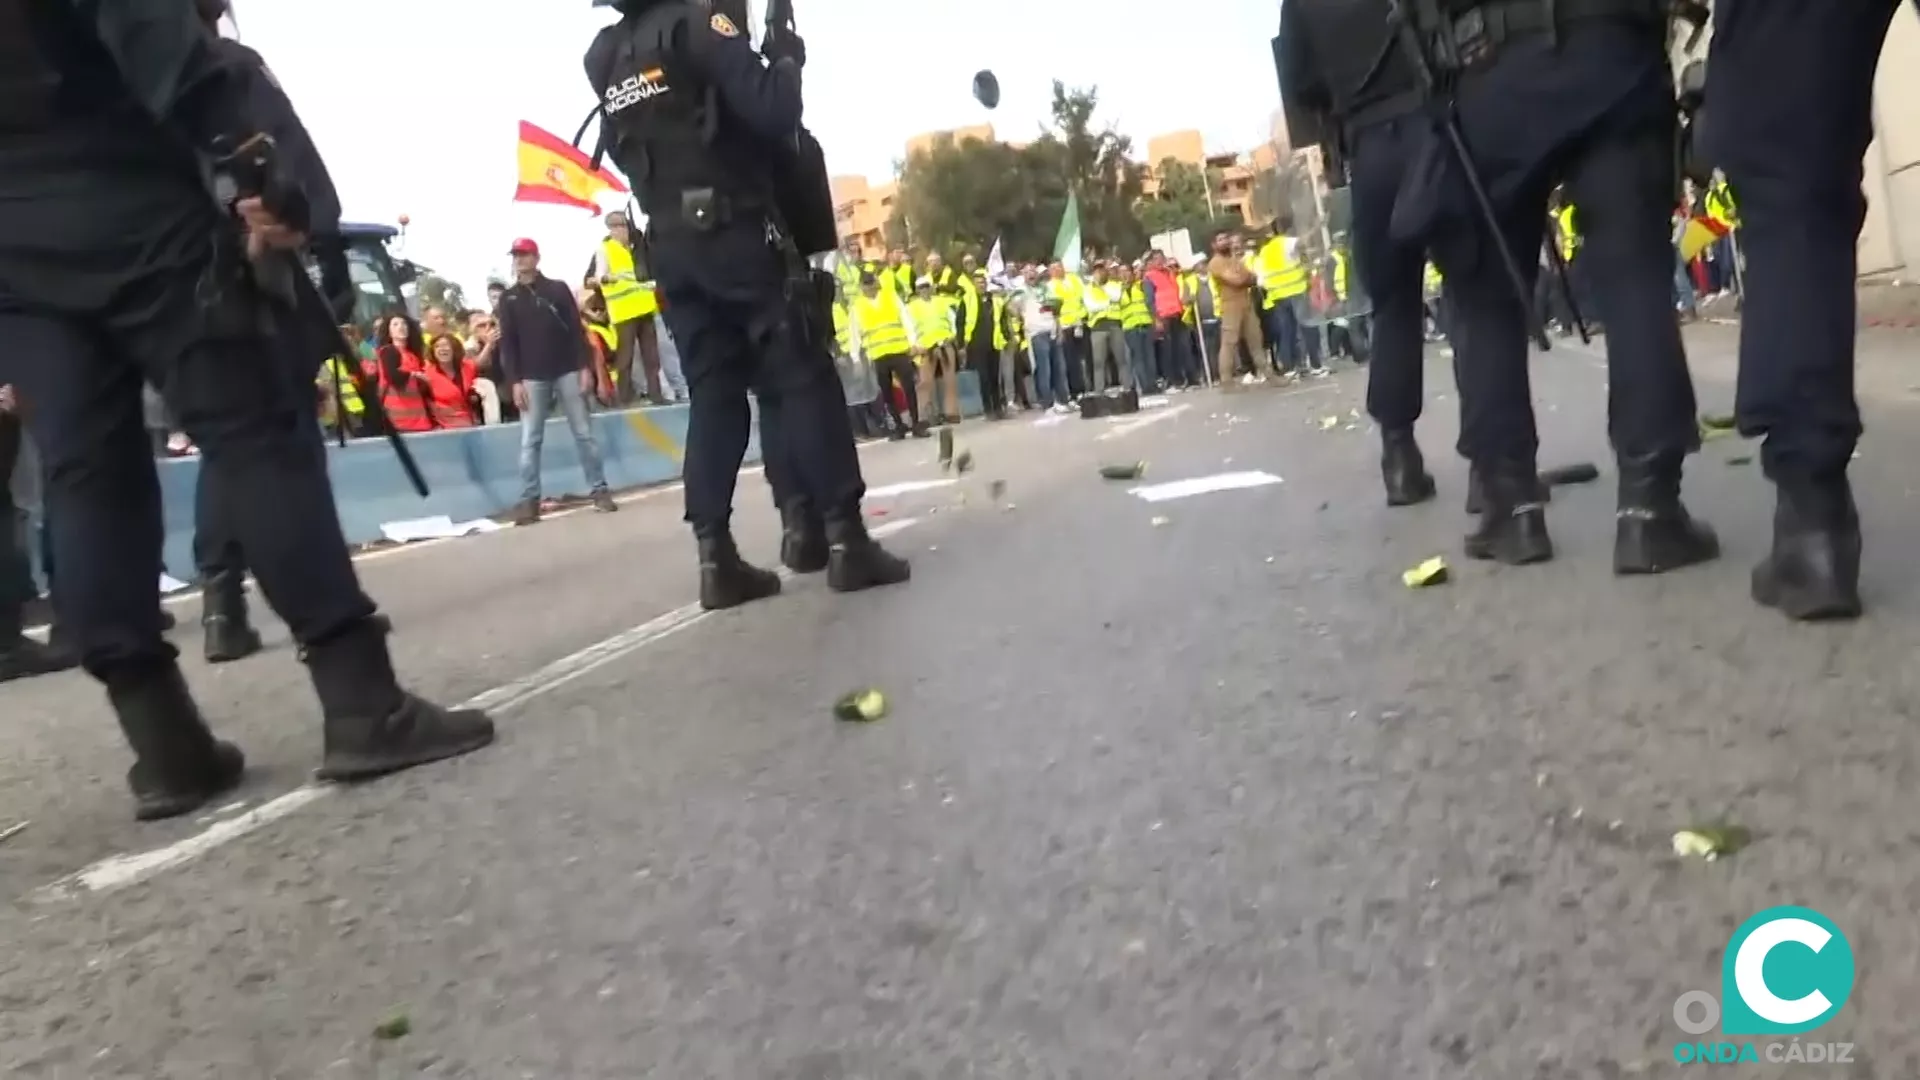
(1155, 401)
(863, 706)
(1709, 842)
(393, 1027)
(1328, 423)
(1350, 427)
(1743, 459)
(12, 831)
(933, 547)
(963, 464)
(1717, 421)
(1009, 506)
(876, 511)
(1159, 521)
(170, 585)
(1581, 472)
(1132, 471)
(1431, 572)
(996, 488)
(1269, 558)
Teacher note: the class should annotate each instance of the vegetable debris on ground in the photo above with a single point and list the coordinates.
(1431, 572)
(1128, 471)
(861, 706)
(1709, 842)
(393, 1027)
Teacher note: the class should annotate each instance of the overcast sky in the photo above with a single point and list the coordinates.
(415, 102)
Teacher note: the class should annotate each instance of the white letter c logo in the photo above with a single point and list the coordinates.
(1749, 971)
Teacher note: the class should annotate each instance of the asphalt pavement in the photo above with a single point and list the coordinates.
(1173, 791)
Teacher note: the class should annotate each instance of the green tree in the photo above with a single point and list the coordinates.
(1182, 202)
(958, 196)
(436, 291)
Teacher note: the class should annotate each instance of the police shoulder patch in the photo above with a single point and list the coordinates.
(724, 26)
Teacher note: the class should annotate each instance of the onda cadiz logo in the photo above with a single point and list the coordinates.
(1787, 970)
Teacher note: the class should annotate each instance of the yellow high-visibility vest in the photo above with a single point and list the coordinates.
(1281, 278)
(1340, 274)
(1569, 231)
(1134, 312)
(969, 308)
(349, 390)
(842, 329)
(883, 325)
(627, 296)
(1067, 292)
(1433, 281)
(1720, 205)
(932, 321)
(1102, 302)
(998, 307)
(901, 279)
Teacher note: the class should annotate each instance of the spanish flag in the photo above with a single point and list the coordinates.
(553, 172)
(1697, 235)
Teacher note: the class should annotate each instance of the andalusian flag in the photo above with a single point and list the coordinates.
(1066, 242)
(1697, 235)
(553, 172)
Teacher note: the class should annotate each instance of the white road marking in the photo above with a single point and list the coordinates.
(119, 871)
(1202, 485)
(907, 487)
(1131, 424)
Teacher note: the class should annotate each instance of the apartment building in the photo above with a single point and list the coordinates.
(861, 208)
(1231, 175)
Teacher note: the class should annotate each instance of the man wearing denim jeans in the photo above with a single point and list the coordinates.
(544, 358)
(1050, 387)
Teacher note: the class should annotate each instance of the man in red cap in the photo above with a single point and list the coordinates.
(543, 359)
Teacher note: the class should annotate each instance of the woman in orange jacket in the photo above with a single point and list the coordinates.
(402, 375)
(451, 400)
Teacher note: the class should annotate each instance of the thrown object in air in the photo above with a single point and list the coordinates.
(986, 88)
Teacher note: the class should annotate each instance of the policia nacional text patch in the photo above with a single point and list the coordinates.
(724, 26)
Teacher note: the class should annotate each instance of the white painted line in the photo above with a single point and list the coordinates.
(1131, 424)
(119, 871)
(1202, 485)
(907, 487)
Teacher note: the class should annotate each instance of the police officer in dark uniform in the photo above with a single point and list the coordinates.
(1788, 118)
(1549, 91)
(693, 116)
(20, 656)
(1339, 69)
(118, 266)
(227, 630)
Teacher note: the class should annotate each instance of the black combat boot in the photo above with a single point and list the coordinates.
(223, 618)
(727, 580)
(372, 726)
(1652, 531)
(1813, 571)
(855, 560)
(1475, 499)
(803, 538)
(1513, 523)
(178, 765)
(1403, 469)
(21, 657)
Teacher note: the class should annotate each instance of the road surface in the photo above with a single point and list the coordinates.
(1175, 791)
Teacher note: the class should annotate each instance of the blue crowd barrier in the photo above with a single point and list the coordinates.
(472, 473)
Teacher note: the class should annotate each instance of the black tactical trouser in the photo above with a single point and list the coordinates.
(741, 326)
(79, 347)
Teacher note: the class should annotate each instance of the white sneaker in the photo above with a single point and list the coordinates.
(1320, 373)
